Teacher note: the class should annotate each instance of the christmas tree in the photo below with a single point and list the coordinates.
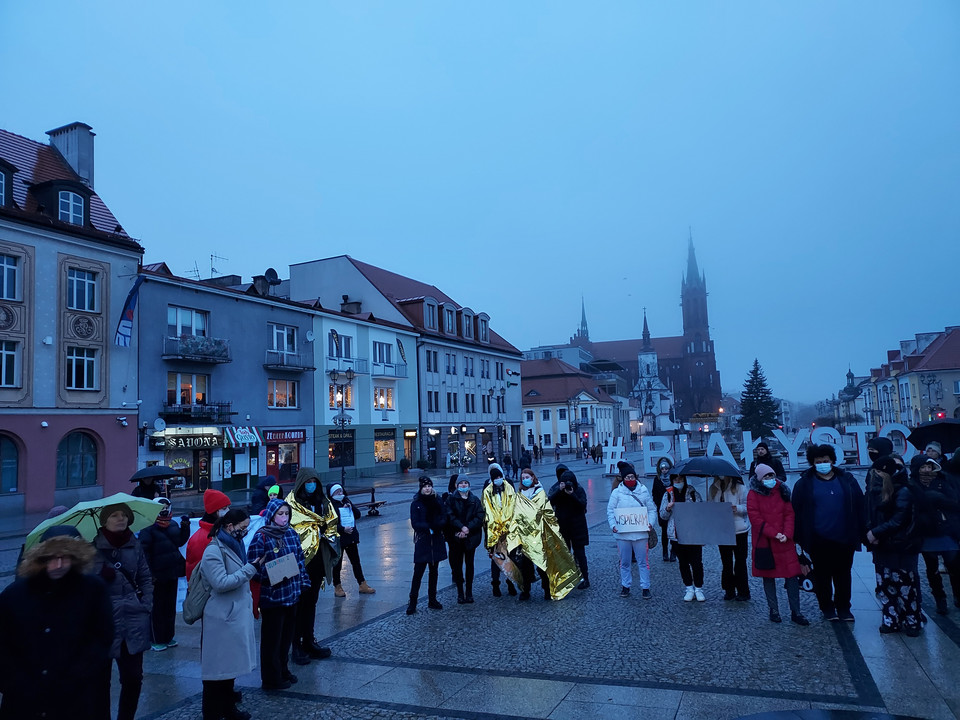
(758, 409)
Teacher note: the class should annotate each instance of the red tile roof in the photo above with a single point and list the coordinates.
(552, 367)
(942, 354)
(627, 350)
(553, 390)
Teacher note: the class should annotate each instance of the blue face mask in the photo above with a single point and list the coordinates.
(824, 468)
(498, 482)
(770, 483)
(310, 487)
(463, 490)
(527, 482)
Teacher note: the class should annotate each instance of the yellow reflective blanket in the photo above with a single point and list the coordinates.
(535, 531)
(311, 527)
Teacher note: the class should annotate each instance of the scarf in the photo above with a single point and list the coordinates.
(231, 543)
(117, 540)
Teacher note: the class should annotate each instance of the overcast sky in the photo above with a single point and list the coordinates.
(520, 155)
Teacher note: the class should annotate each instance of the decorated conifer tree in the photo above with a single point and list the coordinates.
(758, 409)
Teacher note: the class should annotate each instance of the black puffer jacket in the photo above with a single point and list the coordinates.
(570, 509)
(464, 513)
(938, 507)
(892, 521)
(131, 610)
(428, 516)
(161, 546)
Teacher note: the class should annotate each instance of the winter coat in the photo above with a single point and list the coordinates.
(287, 591)
(259, 497)
(147, 491)
(771, 513)
(228, 646)
(55, 638)
(892, 522)
(737, 496)
(428, 518)
(196, 545)
(625, 499)
(162, 549)
(853, 502)
(464, 513)
(770, 461)
(938, 507)
(571, 512)
(689, 494)
(131, 612)
(315, 521)
(658, 489)
(347, 538)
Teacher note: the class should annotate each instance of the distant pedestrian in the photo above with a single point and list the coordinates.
(772, 525)
(464, 532)
(631, 499)
(428, 517)
(690, 557)
(260, 496)
(147, 489)
(556, 452)
(733, 579)
(161, 545)
(507, 464)
(762, 454)
(498, 506)
(349, 542)
(657, 489)
(569, 502)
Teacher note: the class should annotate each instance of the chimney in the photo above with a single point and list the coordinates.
(75, 143)
(348, 306)
(261, 285)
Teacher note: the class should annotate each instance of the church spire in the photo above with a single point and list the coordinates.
(646, 331)
(584, 332)
(694, 276)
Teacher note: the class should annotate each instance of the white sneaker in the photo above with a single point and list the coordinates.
(688, 595)
(698, 592)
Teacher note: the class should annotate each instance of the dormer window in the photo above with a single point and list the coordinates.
(3, 188)
(430, 316)
(468, 326)
(71, 207)
(484, 331)
(449, 321)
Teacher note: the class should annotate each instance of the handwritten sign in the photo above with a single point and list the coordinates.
(281, 568)
(632, 519)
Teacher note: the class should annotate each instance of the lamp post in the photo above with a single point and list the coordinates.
(341, 419)
(929, 380)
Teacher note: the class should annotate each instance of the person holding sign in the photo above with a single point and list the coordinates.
(282, 576)
(630, 511)
(349, 541)
(690, 557)
(733, 579)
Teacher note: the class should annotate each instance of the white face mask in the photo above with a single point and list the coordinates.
(823, 468)
(769, 483)
(222, 511)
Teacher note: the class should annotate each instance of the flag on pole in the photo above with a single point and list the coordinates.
(125, 326)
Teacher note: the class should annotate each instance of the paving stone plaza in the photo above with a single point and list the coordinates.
(591, 654)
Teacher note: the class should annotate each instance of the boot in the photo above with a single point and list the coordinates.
(434, 604)
(468, 597)
(338, 591)
(511, 588)
(315, 650)
(299, 654)
(366, 589)
(461, 599)
(412, 605)
(941, 604)
(496, 588)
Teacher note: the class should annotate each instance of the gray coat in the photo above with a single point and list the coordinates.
(228, 647)
(131, 614)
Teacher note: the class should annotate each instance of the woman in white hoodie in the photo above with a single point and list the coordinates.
(628, 503)
(734, 579)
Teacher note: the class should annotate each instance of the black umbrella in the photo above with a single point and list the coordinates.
(157, 472)
(945, 432)
(707, 467)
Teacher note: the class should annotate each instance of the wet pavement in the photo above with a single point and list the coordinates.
(592, 653)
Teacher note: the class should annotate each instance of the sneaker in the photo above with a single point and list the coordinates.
(775, 616)
(799, 620)
(624, 592)
(688, 594)
(845, 616)
(172, 643)
(698, 593)
(158, 647)
(830, 615)
(646, 594)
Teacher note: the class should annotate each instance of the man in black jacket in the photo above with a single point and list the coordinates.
(938, 509)
(161, 543)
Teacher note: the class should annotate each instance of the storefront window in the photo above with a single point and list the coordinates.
(340, 448)
(182, 461)
(385, 445)
(76, 461)
(9, 465)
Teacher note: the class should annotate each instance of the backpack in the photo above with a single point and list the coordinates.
(198, 593)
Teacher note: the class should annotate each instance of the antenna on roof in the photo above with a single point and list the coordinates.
(195, 273)
(215, 257)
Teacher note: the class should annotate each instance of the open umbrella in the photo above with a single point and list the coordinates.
(85, 516)
(706, 466)
(157, 472)
(945, 432)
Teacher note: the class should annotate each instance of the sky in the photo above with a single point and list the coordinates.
(522, 156)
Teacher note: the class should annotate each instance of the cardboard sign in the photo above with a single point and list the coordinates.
(281, 568)
(632, 519)
(704, 523)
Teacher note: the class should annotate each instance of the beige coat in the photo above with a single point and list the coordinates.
(228, 645)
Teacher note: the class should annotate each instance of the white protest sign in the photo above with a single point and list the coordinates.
(633, 519)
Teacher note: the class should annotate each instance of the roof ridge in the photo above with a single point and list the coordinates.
(24, 137)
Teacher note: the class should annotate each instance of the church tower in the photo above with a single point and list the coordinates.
(693, 299)
(582, 337)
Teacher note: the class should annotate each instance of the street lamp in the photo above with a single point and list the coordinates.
(341, 419)
(930, 380)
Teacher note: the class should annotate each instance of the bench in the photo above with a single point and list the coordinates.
(372, 505)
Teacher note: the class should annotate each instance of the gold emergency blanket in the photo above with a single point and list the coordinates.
(311, 527)
(498, 513)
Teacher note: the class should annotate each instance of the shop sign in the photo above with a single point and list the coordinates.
(284, 436)
(410, 433)
(157, 442)
(345, 435)
(194, 441)
(384, 433)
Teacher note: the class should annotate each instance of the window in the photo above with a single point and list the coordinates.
(283, 394)
(3, 188)
(451, 363)
(186, 321)
(284, 338)
(547, 439)
(81, 290)
(432, 363)
(9, 464)
(9, 364)
(187, 389)
(956, 387)
(485, 403)
(436, 400)
(430, 316)
(562, 414)
(8, 276)
(76, 461)
(529, 415)
(483, 330)
(382, 352)
(470, 403)
(383, 398)
(81, 368)
(452, 399)
(468, 366)
(339, 346)
(563, 438)
(449, 321)
(500, 404)
(71, 207)
(584, 413)
(499, 369)
(430, 405)
(335, 397)
(468, 326)
(545, 414)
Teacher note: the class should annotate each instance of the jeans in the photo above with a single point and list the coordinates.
(792, 586)
(352, 552)
(276, 637)
(734, 578)
(690, 558)
(627, 549)
(461, 557)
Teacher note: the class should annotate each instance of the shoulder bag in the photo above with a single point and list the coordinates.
(763, 556)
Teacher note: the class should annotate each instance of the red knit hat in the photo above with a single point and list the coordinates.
(214, 500)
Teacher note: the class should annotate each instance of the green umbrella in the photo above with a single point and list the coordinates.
(85, 516)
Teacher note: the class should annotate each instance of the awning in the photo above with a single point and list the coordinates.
(242, 436)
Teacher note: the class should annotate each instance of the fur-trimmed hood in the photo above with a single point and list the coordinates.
(80, 552)
(760, 488)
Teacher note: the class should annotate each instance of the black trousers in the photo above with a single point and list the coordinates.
(164, 616)
(418, 570)
(130, 666)
(733, 578)
(951, 560)
(690, 558)
(352, 552)
(579, 551)
(461, 557)
(664, 541)
(217, 699)
(529, 572)
(276, 637)
(307, 605)
(832, 564)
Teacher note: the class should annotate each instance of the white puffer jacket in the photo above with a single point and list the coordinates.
(737, 495)
(621, 497)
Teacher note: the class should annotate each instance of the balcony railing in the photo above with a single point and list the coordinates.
(358, 365)
(197, 348)
(290, 362)
(217, 413)
(380, 369)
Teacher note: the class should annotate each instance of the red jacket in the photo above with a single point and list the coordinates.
(771, 513)
(196, 545)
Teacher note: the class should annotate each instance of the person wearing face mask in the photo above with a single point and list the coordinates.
(733, 558)
(570, 506)
(161, 544)
(830, 522)
(228, 647)
(349, 541)
(628, 498)
(464, 528)
(772, 524)
(938, 515)
(533, 501)
(428, 517)
(658, 489)
(689, 557)
(278, 602)
(315, 519)
(215, 505)
(498, 500)
(762, 454)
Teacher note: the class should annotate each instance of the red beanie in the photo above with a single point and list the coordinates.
(214, 500)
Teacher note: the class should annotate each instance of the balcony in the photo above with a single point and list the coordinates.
(288, 362)
(358, 365)
(380, 369)
(197, 348)
(218, 413)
